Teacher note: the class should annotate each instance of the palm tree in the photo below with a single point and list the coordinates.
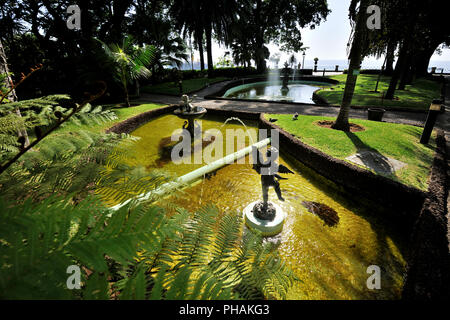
(203, 17)
(130, 62)
(171, 53)
(187, 16)
(356, 57)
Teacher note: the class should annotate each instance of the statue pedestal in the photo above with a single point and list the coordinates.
(267, 228)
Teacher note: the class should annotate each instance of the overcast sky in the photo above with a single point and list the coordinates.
(329, 40)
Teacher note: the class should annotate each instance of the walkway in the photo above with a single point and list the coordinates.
(417, 119)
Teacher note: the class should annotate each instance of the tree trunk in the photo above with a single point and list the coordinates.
(22, 133)
(399, 69)
(208, 33)
(405, 55)
(120, 8)
(260, 60)
(125, 89)
(127, 99)
(406, 72)
(342, 121)
(381, 73)
(138, 88)
(202, 54)
(423, 61)
(260, 52)
(390, 57)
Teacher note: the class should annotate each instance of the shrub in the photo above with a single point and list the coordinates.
(173, 75)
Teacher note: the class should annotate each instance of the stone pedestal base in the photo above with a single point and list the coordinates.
(267, 228)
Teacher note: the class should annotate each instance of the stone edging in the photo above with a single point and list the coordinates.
(131, 124)
(428, 275)
(404, 201)
(190, 92)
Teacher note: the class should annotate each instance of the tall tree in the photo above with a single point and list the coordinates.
(187, 17)
(390, 57)
(356, 57)
(278, 21)
(204, 18)
(407, 31)
(418, 28)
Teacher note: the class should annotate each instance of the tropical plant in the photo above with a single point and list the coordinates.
(278, 21)
(130, 62)
(50, 220)
(172, 53)
(201, 18)
(134, 253)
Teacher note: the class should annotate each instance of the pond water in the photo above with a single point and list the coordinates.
(330, 257)
(299, 91)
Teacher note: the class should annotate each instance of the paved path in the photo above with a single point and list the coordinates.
(417, 119)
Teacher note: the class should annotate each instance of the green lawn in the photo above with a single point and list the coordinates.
(122, 114)
(417, 96)
(189, 86)
(400, 142)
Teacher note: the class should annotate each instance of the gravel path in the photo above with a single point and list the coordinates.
(444, 122)
(417, 119)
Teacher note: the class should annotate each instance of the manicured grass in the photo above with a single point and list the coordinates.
(189, 86)
(400, 142)
(416, 96)
(122, 114)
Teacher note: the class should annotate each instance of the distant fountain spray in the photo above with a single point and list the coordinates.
(274, 76)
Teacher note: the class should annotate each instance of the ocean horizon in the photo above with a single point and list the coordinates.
(343, 64)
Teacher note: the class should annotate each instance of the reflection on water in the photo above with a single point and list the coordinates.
(299, 91)
(329, 249)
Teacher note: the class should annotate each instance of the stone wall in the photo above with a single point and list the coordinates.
(428, 275)
(135, 122)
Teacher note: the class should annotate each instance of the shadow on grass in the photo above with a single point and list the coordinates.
(370, 157)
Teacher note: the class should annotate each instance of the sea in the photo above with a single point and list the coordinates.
(441, 66)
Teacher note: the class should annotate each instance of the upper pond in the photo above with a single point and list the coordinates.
(299, 91)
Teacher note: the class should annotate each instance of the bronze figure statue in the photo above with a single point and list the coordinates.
(269, 170)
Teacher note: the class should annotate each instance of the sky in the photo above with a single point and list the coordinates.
(329, 40)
